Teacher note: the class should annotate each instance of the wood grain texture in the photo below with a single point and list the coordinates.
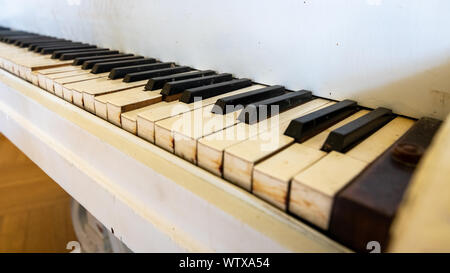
(34, 210)
(271, 178)
(164, 119)
(314, 189)
(239, 159)
(422, 224)
(363, 211)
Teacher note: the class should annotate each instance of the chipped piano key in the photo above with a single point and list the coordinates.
(364, 210)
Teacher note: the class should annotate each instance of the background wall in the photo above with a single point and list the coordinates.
(392, 53)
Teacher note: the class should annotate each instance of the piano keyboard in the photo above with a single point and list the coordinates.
(338, 166)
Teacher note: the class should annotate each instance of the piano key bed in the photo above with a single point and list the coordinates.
(336, 166)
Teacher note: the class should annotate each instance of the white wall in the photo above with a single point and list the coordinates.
(392, 53)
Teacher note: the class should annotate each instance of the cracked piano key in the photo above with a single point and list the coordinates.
(272, 177)
(314, 189)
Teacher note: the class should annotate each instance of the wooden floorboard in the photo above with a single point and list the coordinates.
(34, 210)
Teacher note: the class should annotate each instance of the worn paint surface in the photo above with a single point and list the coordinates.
(381, 53)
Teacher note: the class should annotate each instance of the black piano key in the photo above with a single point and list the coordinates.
(39, 48)
(34, 46)
(57, 54)
(29, 43)
(71, 56)
(345, 137)
(145, 75)
(177, 87)
(159, 82)
(26, 42)
(261, 110)
(81, 60)
(91, 63)
(12, 33)
(13, 39)
(227, 104)
(107, 66)
(50, 50)
(304, 127)
(32, 38)
(213, 90)
(120, 72)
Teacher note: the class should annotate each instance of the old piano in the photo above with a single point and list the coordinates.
(198, 128)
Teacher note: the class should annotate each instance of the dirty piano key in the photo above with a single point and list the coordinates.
(120, 72)
(272, 177)
(129, 118)
(110, 106)
(211, 148)
(182, 131)
(41, 75)
(145, 75)
(307, 126)
(109, 65)
(100, 86)
(46, 78)
(260, 110)
(125, 101)
(159, 82)
(96, 84)
(63, 85)
(363, 211)
(81, 60)
(314, 189)
(209, 91)
(232, 102)
(239, 159)
(173, 90)
(49, 80)
(89, 64)
(343, 138)
(147, 120)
